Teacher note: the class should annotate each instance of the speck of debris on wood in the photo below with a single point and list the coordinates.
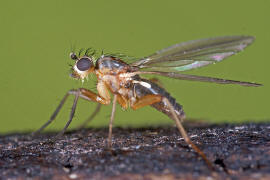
(238, 152)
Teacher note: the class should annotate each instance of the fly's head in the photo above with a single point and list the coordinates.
(83, 66)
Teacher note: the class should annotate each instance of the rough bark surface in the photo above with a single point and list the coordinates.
(238, 152)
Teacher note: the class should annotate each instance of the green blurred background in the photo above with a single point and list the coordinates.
(36, 38)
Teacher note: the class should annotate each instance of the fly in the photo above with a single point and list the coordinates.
(114, 76)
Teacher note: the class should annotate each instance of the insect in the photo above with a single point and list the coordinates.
(130, 90)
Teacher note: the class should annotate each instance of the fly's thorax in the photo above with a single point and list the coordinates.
(111, 81)
(111, 65)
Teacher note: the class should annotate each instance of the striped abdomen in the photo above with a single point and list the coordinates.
(146, 87)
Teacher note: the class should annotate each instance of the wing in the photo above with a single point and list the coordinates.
(194, 54)
(198, 78)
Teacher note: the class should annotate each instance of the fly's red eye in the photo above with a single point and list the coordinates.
(84, 64)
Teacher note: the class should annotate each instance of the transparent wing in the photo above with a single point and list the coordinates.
(194, 54)
(199, 78)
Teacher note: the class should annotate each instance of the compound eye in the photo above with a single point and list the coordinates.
(84, 64)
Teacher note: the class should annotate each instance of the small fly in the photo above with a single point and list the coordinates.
(130, 90)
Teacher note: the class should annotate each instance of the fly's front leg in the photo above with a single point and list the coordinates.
(77, 94)
(91, 96)
(82, 93)
(185, 135)
(55, 112)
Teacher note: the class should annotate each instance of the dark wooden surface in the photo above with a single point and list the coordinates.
(151, 153)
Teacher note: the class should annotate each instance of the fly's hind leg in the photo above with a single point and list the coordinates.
(145, 101)
(82, 93)
(151, 99)
(185, 135)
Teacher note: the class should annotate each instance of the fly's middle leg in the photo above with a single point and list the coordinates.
(91, 117)
(111, 122)
(141, 102)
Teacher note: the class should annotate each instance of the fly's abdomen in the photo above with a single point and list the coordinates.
(145, 87)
